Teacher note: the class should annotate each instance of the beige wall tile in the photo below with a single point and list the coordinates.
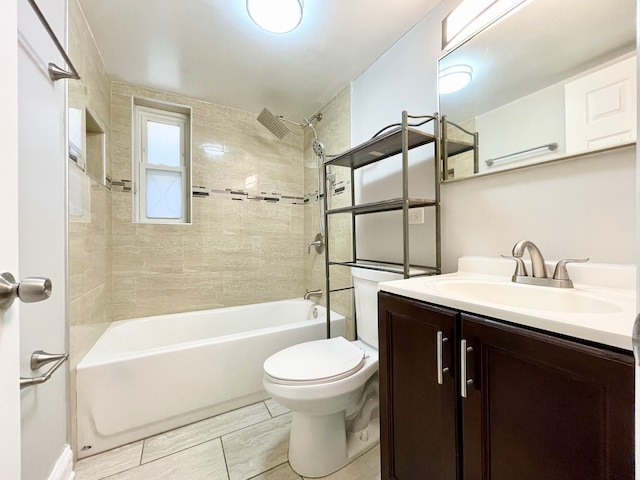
(89, 233)
(220, 253)
(143, 254)
(175, 293)
(229, 242)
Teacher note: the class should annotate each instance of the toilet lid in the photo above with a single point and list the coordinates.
(315, 362)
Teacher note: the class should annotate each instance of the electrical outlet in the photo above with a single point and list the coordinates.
(416, 216)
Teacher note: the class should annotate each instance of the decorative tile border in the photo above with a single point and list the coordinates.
(271, 197)
(341, 187)
(198, 191)
(121, 185)
(338, 189)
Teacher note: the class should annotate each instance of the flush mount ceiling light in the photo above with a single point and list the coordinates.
(454, 78)
(276, 16)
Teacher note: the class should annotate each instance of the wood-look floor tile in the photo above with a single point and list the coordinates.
(275, 409)
(202, 462)
(366, 467)
(283, 472)
(196, 433)
(257, 449)
(107, 463)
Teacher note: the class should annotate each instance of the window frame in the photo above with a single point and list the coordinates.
(143, 112)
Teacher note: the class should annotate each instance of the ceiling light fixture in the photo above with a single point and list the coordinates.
(454, 78)
(276, 16)
(470, 17)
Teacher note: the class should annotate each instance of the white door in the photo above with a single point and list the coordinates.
(601, 108)
(9, 327)
(34, 422)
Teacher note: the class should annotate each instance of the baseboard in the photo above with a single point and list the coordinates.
(63, 469)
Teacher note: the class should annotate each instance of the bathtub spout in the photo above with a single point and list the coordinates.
(312, 293)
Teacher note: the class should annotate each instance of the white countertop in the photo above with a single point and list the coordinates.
(614, 284)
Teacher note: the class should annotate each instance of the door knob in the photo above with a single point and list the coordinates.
(30, 290)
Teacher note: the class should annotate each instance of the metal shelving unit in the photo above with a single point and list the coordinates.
(452, 147)
(397, 141)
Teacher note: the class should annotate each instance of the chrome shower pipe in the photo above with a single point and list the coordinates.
(307, 121)
(319, 151)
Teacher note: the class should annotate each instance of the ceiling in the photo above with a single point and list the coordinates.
(211, 50)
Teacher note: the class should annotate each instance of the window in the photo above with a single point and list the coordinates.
(162, 161)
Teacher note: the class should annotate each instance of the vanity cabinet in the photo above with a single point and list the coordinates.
(418, 420)
(533, 406)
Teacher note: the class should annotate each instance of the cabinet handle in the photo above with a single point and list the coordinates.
(440, 339)
(464, 382)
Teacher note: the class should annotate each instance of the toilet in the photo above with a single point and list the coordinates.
(331, 386)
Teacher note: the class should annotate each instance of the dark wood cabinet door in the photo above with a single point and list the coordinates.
(541, 407)
(417, 414)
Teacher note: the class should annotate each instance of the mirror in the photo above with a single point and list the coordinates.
(550, 80)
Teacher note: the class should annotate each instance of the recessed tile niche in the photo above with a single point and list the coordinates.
(95, 143)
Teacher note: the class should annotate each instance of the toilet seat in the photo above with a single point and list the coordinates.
(315, 362)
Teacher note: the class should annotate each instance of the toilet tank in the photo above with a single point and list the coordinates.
(365, 287)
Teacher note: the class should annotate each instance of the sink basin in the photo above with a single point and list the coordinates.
(530, 297)
(601, 308)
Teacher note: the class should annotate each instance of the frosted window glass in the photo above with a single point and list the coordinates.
(163, 144)
(164, 194)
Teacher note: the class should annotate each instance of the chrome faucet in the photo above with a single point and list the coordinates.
(560, 275)
(312, 293)
(537, 260)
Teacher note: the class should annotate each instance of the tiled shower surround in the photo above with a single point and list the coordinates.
(90, 248)
(244, 244)
(254, 208)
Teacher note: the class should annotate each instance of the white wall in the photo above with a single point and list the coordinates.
(583, 207)
(509, 129)
(399, 80)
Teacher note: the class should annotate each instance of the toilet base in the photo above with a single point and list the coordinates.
(320, 445)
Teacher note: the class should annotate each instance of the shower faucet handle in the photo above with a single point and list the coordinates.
(318, 243)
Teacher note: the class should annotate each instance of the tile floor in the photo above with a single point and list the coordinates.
(247, 443)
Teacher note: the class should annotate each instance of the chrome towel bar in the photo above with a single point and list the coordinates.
(551, 146)
(55, 72)
(38, 359)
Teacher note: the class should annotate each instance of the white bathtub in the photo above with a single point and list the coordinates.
(149, 375)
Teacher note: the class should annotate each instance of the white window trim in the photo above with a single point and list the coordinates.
(143, 111)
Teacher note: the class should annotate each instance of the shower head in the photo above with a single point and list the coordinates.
(318, 147)
(273, 123)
